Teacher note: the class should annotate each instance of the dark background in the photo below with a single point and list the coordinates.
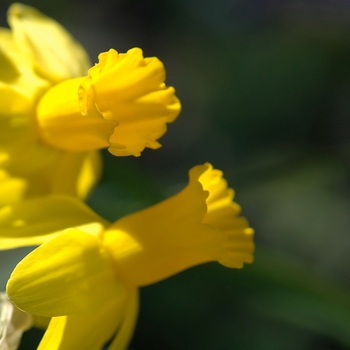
(265, 89)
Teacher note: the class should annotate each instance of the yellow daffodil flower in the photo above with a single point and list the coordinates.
(87, 278)
(122, 103)
(55, 111)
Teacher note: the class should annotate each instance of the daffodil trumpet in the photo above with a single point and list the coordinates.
(123, 105)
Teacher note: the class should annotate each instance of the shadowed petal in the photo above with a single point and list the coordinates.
(34, 221)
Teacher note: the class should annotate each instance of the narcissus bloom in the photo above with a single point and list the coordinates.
(55, 111)
(87, 278)
(122, 103)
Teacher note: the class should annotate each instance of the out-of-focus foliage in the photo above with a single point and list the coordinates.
(265, 88)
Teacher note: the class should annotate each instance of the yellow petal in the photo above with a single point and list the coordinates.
(70, 274)
(19, 85)
(11, 189)
(123, 337)
(18, 140)
(8, 68)
(173, 235)
(77, 173)
(25, 158)
(88, 332)
(33, 221)
(54, 54)
(11, 100)
(47, 170)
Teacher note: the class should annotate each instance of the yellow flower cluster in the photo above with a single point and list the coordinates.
(56, 113)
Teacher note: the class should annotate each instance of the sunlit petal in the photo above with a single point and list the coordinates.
(70, 274)
(54, 54)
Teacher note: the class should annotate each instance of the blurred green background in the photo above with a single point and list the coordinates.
(265, 89)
